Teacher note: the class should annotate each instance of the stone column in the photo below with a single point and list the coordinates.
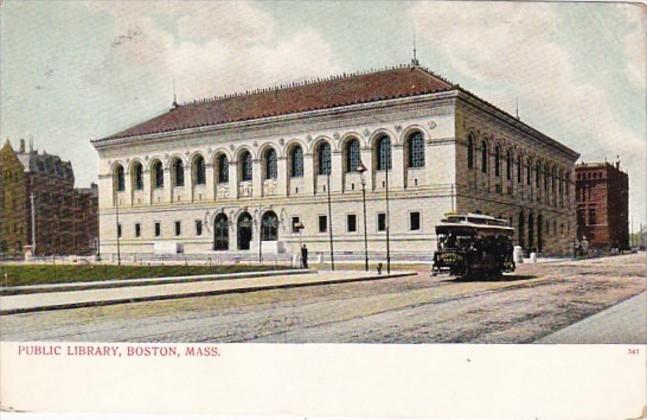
(257, 178)
(188, 182)
(308, 174)
(209, 174)
(396, 176)
(127, 193)
(336, 177)
(168, 187)
(147, 187)
(233, 179)
(367, 160)
(282, 176)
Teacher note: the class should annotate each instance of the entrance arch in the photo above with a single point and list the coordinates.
(244, 230)
(269, 226)
(221, 232)
(531, 233)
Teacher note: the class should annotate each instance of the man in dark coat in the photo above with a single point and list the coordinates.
(304, 256)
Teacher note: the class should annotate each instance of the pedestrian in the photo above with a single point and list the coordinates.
(304, 256)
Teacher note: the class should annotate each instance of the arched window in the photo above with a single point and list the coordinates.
(519, 166)
(323, 159)
(508, 165)
(199, 171)
(484, 156)
(158, 175)
(353, 157)
(537, 174)
(221, 232)
(546, 175)
(178, 173)
(270, 164)
(529, 172)
(223, 168)
(470, 152)
(384, 153)
(138, 176)
(269, 227)
(246, 166)
(497, 161)
(416, 143)
(296, 162)
(120, 181)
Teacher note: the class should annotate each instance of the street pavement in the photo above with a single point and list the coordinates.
(525, 307)
(623, 323)
(165, 289)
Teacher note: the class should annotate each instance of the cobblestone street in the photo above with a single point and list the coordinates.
(538, 299)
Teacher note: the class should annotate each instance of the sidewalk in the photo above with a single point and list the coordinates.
(33, 302)
(624, 323)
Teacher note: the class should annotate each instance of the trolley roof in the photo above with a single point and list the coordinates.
(480, 222)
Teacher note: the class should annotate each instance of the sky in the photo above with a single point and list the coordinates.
(71, 71)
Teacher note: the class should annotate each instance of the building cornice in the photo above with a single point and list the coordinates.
(515, 123)
(100, 144)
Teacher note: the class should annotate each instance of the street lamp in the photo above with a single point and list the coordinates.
(299, 227)
(330, 236)
(361, 169)
(387, 166)
(118, 228)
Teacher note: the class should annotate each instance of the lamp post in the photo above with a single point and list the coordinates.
(387, 166)
(361, 169)
(118, 229)
(332, 256)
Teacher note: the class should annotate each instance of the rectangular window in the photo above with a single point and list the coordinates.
(138, 230)
(351, 223)
(158, 229)
(381, 222)
(414, 220)
(119, 230)
(580, 217)
(198, 227)
(323, 224)
(296, 223)
(592, 217)
(178, 228)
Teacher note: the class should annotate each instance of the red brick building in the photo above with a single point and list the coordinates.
(65, 217)
(602, 195)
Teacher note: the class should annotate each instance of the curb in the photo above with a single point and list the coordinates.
(197, 294)
(150, 281)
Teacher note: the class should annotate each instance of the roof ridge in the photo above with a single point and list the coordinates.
(314, 81)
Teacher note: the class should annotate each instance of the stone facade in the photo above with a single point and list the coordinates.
(602, 193)
(213, 208)
(66, 218)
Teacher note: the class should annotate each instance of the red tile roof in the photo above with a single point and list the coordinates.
(336, 91)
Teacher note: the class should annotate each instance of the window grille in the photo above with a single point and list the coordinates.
(416, 150)
(353, 157)
(296, 162)
(384, 154)
(323, 156)
(270, 164)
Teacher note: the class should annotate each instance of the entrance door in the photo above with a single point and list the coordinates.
(270, 223)
(221, 233)
(244, 230)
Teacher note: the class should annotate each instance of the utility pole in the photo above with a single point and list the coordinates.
(388, 222)
(118, 229)
(33, 224)
(330, 236)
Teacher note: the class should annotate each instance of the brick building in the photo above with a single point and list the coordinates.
(243, 171)
(602, 195)
(66, 218)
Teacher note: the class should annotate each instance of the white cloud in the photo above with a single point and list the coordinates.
(207, 48)
(514, 44)
(635, 45)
